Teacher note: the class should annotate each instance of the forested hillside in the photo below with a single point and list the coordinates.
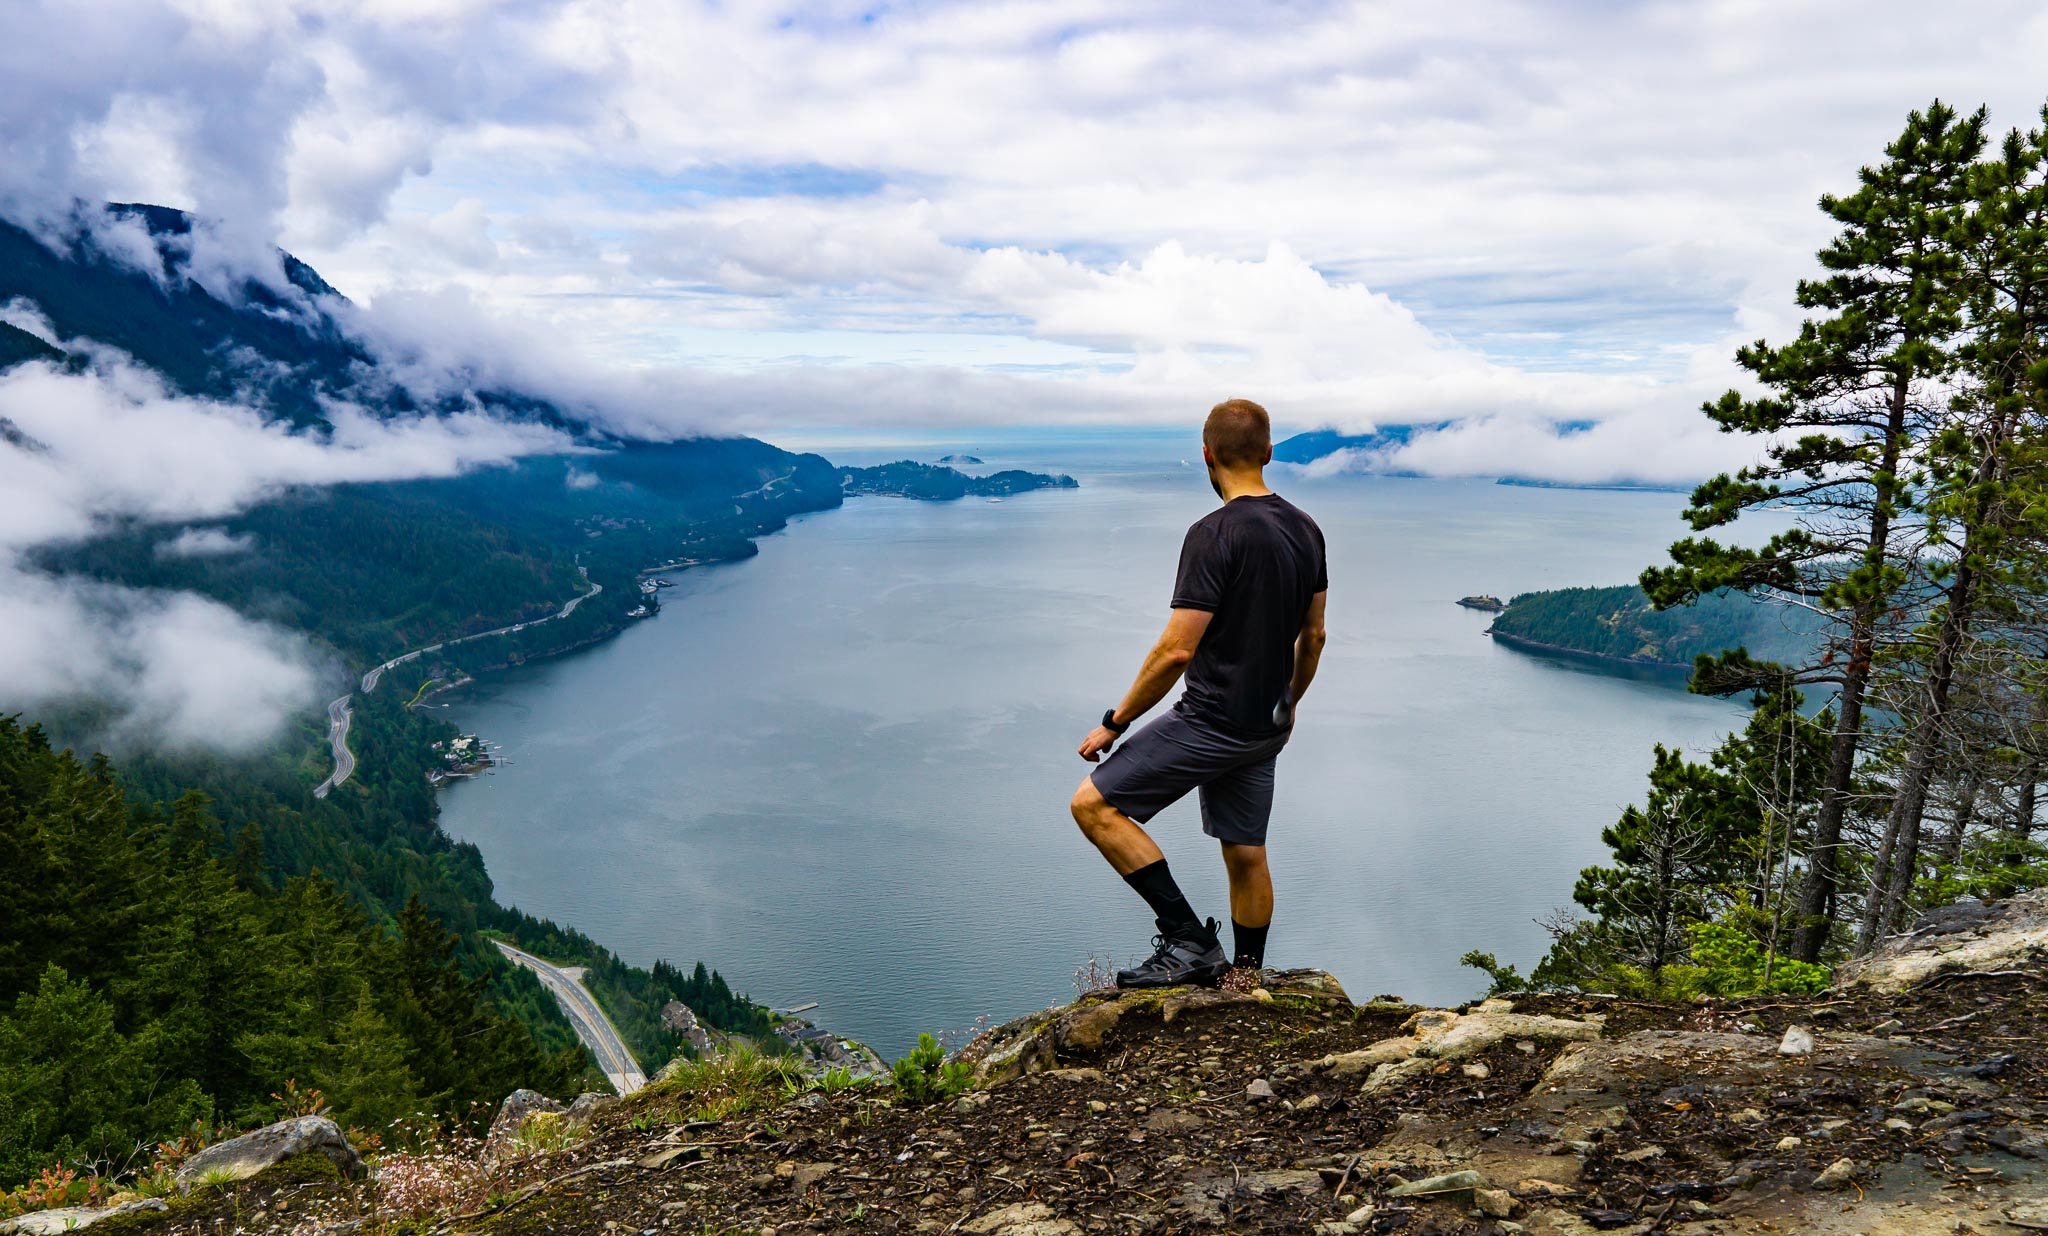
(1620, 623)
(156, 980)
(240, 844)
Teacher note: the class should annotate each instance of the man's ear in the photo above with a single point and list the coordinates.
(1207, 458)
(1269, 455)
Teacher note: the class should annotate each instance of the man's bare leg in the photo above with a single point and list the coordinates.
(1127, 846)
(1251, 900)
(1189, 951)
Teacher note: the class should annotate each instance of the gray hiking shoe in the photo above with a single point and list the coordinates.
(1180, 961)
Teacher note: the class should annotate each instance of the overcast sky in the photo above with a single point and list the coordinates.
(1511, 213)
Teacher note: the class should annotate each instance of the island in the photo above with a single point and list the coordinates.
(1491, 604)
(959, 459)
(1618, 625)
(908, 479)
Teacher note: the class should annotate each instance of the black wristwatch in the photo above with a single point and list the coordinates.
(1109, 722)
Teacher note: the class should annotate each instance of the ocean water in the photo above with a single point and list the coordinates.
(838, 772)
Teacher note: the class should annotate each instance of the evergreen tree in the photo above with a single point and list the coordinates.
(1851, 403)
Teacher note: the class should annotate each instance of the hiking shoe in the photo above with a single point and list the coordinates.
(1180, 960)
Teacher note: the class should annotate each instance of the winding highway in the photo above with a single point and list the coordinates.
(338, 717)
(592, 1026)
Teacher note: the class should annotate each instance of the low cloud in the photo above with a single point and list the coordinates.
(110, 445)
(205, 543)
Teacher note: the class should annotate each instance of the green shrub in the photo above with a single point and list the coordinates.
(925, 1077)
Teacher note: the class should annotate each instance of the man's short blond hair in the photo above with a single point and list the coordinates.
(1238, 434)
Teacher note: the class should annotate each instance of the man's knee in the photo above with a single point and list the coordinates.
(1243, 860)
(1089, 806)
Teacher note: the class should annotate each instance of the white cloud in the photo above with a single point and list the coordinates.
(205, 543)
(110, 445)
(1359, 212)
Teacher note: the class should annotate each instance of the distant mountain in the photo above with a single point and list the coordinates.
(907, 479)
(969, 460)
(1305, 448)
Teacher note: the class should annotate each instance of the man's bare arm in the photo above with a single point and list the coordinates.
(1163, 667)
(1308, 646)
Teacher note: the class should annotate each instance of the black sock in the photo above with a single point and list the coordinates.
(1155, 884)
(1251, 944)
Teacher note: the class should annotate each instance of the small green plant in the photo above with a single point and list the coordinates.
(832, 1081)
(724, 1084)
(925, 1077)
(547, 1132)
(1504, 979)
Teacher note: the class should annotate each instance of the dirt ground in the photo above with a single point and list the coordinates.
(1919, 1112)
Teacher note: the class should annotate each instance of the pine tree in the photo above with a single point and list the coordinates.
(1852, 394)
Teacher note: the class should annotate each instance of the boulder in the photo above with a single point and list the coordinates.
(514, 1111)
(590, 1104)
(2007, 935)
(252, 1153)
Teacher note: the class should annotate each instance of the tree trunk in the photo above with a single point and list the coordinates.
(1967, 788)
(1817, 892)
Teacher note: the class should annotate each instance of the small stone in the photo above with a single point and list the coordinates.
(1362, 1215)
(1309, 1103)
(1798, 1041)
(1262, 995)
(1898, 1123)
(1259, 1091)
(1748, 1115)
(1889, 1026)
(1336, 1227)
(1789, 1143)
(1097, 1106)
(1526, 1047)
(1641, 1155)
(1494, 1203)
(1451, 1182)
(1479, 1070)
(1837, 1175)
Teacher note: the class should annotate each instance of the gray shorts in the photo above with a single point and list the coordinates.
(1156, 765)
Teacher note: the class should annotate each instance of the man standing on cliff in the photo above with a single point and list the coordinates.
(1247, 631)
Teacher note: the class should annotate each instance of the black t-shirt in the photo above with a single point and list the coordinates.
(1255, 563)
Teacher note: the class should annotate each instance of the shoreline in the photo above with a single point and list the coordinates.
(1560, 652)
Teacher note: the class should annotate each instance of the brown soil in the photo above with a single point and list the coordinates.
(1152, 1132)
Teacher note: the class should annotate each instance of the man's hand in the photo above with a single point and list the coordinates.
(1099, 740)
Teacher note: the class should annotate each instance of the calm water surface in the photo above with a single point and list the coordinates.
(839, 771)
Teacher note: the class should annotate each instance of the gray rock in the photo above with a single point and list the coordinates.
(251, 1153)
(1837, 1175)
(590, 1104)
(72, 1218)
(1259, 1091)
(1022, 1219)
(519, 1105)
(1453, 1182)
(1798, 1041)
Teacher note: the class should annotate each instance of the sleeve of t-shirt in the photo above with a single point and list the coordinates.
(1199, 584)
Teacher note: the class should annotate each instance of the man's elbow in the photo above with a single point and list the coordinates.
(1173, 657)
(1313, 638)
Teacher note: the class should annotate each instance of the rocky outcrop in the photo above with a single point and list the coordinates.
(1969, 937)
(1034, 1044)
(252, 1153)
(74, 1218)
(1285, 1107)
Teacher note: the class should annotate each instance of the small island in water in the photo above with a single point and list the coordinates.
(908, 479)
(1491, 604)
